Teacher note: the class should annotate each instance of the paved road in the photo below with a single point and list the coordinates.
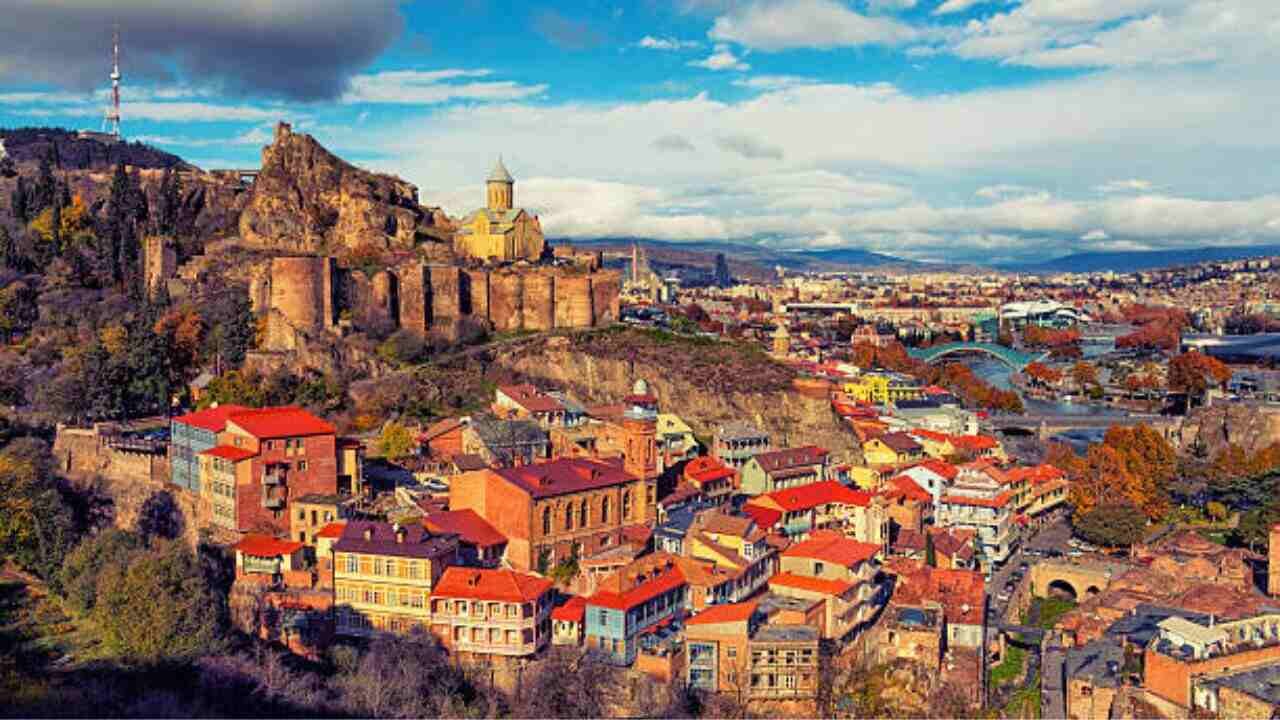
(1053, 695)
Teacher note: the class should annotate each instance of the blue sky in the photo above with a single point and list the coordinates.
(932, 129)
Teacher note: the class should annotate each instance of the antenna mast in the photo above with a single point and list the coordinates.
(112, 120)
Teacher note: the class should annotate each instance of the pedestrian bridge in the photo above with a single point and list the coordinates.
(1013, 358)
(1074, 580)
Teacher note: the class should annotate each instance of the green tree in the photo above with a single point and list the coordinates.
(1112, 525)
(1254, 530)
(85, 564)
(18, 310)
(231, 328)
(159, 606)
(396, 441)
(36, 526)
(9, 255)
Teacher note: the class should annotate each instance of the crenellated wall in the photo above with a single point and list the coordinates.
(312, 294)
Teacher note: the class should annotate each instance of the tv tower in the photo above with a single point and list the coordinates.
(111, 122)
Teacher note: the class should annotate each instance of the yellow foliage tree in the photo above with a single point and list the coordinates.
(73, 226)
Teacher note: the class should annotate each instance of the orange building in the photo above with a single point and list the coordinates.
(492, 612)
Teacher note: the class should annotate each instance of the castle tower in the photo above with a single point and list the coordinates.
(1273, 561)
(501, 188)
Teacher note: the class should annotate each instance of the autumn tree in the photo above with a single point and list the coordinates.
(36, 526)
(1084, 374)
(1103, 478)
(84, 565)
(1151, 463)
(1042, 374)
(396, 441)
(1194, 373)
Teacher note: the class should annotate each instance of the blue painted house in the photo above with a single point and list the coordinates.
(629, 604)
(192, 434)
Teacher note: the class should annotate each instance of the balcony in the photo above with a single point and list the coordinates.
(273, 477)
(273, 502)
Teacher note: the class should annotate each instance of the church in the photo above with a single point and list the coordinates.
(500, 232)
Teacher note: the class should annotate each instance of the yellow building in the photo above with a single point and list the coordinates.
(882, 388)
(500, 231)
(383, 576)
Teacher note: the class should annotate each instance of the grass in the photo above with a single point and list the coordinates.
(1010, 666)
(1214, 536)
(1024, 703)
(1046, 611)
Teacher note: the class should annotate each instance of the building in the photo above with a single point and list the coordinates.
(1185, 651)
(492, 612)
(738, 442)
(630, 604)
(567, 621)
(192, 434)
(736, 650)
(979, 500)
(270, 558)
(892, 449)
(384, 575)
(526, 402)
(840, 571)
(479, 543)
(500, 232)
(222, 469)
(883, 388)
(675, 437)
(824, 505)
(1042, 313)
(712, 478)
(570, 507)
(504, 442)
(310, 514)
(1046, 488)
(735, 545)
(781, 469)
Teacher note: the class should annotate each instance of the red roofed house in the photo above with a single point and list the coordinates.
(567, 621)
(492, 612)
(479, 543)
(294, 454)
(841, 571)
(979, 446)
(736, 649)
(907, 504)
(712, 477)
(526, 402)
(570, 507)
(268, 556)
(631, 603)
(782, 469)
(979, 499)
(1045, 488)
(192, 434)
(828, 504)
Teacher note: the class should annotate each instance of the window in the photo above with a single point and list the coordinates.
(568, 517)
(546, 521)
(302, 466)
(817, 568)
(604, 510)
(391, 568)
(302, 514)
(626, 504)
(582, 514)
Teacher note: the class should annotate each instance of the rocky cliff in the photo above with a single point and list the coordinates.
(792, 418)
(306, 200)
(1249, 426)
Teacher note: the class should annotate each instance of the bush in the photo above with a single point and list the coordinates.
(1118, 525)
(85, 564)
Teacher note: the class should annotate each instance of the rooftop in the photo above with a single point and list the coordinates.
(230, 452)
(467, 525)
(267, 423)
(496, 585)
(531, 398)
(779, 460)
(564, 476)
(213, 419)
(380, 538)
(266, 546)
(786, 634)
(830, 546)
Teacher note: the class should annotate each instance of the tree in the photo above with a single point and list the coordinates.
(1104, 479)
(10, 257)
(160, 517)
(84, 565)
(36, 527)
(1111, 525)
(18, 309)
(159, 606)
(396, 441)
(405, 677)
(1151, 463)
(1043, 374)
(1192, 372)
(1084, 374)
(231, 329)
(570, 685)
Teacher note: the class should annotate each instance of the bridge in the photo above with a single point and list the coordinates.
(1047, 424)
(245, 176)
(1013, 358)
(1075, 580)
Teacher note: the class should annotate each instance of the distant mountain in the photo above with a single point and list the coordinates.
(1133, 261)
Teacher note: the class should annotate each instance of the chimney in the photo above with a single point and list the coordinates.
(368, 533)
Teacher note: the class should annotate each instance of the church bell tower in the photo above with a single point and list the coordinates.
(501, 188)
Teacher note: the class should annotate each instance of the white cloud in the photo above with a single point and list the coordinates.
(774, 25)
(414, 87)
(722, 59)
(1004, 191)
(889, 5)
(1120, 186)
(955, 6)
(649, 42)
(1095, 235)
(772, 82)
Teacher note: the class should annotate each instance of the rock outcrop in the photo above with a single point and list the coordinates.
(1251, 427)
(306, 200)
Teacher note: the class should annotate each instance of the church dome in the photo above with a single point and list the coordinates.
(500, 174)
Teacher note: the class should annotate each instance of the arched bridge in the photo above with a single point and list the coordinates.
(1013, 358)
(1074, 580)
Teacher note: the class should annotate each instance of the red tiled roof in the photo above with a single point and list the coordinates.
(564, 476)
(833, 547)
(332, 530)
(467, 524)
(574, 610)
(707, 468)
(778, 460)
(931, 435)
(531, 398)
(908, 488)
(802, 582)
(764, 517)
(229, 452)
(213, 419)
(437, 429)
(815, 494)
(637, 534)
(1036, 474)
(974, 442)
(998, 501)
(737, 612)
(939, 467)
(281, 422)
(669, 580)
(266, 546)
(485, 584)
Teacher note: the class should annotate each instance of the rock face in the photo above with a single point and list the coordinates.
(307, 200)
(1251, 427)
(791, 418)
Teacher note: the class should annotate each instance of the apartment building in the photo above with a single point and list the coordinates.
(384, 575)
(492, 612)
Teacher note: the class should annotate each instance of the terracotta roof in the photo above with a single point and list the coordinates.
(831, 546)
(281, 422)
(531, 398)
(332, 530)
(791, 458)
(960, 592)
(900, 442)
(637, 534)
(998, 501)
(442, 427)
(1037, 474)
(668, 580)
(230, 452)
(714, 521)
(266, 546)
(707, 468)
(974, 442)
(684, 491)
(819, 585)
(953, 542)
(737, 612)
(485, 584)
(467, 525)
(931, 435)
(939, 467)
(213, 419)
(574, 610)
(417, 543)
(564, 476)
(815, 494)
(764, 517)
(904, 486)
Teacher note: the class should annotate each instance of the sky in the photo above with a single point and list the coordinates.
(949, 130)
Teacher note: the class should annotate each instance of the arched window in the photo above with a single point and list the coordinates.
(546, 521)
(604, 510)
(568, 516)
(582, 514)
(626, 504)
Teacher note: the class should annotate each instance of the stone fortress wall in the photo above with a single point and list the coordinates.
(313, 294)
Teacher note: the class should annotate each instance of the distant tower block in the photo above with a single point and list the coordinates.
(1273, 561)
